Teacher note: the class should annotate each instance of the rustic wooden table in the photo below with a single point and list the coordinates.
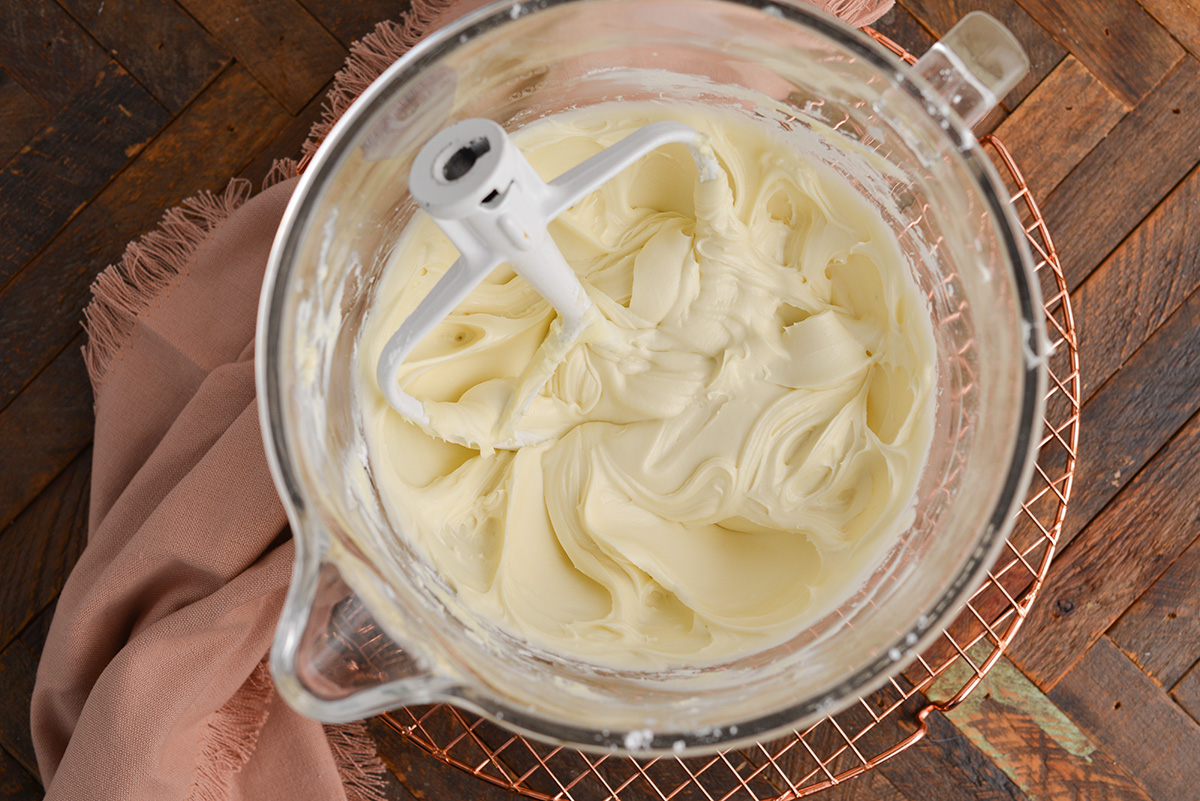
(112, 111)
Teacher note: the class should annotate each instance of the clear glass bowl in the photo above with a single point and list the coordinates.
(361, 630)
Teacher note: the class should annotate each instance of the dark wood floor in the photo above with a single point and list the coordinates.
(113, 110)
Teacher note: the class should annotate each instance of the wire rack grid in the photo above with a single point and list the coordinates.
(878, 726)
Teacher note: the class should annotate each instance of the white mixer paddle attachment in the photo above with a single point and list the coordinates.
(489, 201)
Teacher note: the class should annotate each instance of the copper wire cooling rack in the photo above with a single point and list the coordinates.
(880, 725)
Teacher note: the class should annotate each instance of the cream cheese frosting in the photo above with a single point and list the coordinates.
(731, 450)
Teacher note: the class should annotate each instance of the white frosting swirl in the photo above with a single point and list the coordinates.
(731, 452)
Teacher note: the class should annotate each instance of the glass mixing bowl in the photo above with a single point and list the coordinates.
(363, 629)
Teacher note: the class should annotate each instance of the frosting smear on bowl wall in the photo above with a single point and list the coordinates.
(728, 453)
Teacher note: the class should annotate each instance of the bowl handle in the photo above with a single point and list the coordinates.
(974, 65)
(331, 661)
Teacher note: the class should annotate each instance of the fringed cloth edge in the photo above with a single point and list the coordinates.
(230, 735)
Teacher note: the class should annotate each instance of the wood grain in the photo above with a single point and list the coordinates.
(825, 742)
(1121, 304)
(50, 424)
(1127, 714)
(1043, 51)
(351, 21)
(50, 55)
(18, 669)
(1058, 124)
(945, 765)
(419, 775)
(34, 634)
(1116, 39)
(1180, 17)
(157, 42)
(230, 123)
(1159, 632)
(1187, 693)
(41, 546)
(17, 784)
(1155, 517)
(279, 42)
(1118, 184)
(870, 786)
(1030, 739)
(70, 160)
(1129, 418)
(21, 116)
(287, 143)
(902, 27)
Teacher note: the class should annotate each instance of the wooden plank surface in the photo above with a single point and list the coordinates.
(1116, 39)
(17, 784)
(112, 112)
(18, 669)
(945, 764)
(1128, 715)
(157, 42)
(351, 21)
(39, 547)
(1059, 123)
(1187, 693)
(1033, 741)
(66, 163)
(1121, 304)
(1180, 17)
(1146, 401)
(871, 786)
(1156, 516)
(900, 25)
(47, 52)
(21, 116)
(1160, 630)
(230, 123)
(1121, 172)
(278, 41)
(289, 140)
(51, 422)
